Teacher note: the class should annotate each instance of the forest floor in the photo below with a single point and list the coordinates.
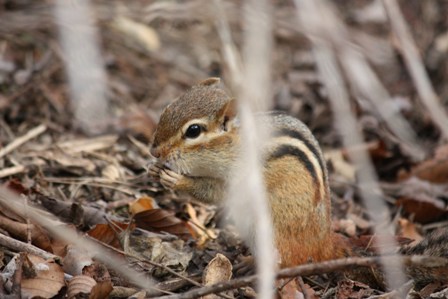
(96, 183)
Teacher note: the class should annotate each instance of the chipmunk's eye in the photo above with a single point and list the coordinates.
(193, 131)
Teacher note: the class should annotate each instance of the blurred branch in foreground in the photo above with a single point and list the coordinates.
(323, 36)
(84, 65)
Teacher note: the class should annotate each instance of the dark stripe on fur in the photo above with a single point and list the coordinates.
(313, 149)
(289, 150)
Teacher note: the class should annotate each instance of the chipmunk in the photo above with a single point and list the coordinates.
(196, 142)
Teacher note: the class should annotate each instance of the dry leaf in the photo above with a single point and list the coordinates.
(219, 269)
(137, 123)
(112, 172)
(409, 230)
(21, 230)
(141, 33)
(88, 144)
(159, 220)
(101, 275)
(48, 278)
(423, 209)
(173, 254)
(203, 233)
(75, 260)
(78, 285)
(68, 160)
(434, 170)
(349, 289)
(107, 234)
(142, 204)
(340, 164)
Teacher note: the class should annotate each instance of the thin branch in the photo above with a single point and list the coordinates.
(339, 265)
(23, 139)
(19, 246)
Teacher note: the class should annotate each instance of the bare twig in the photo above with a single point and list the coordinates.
(303, 287)
(339, 265)
(12, 170)
(415, 66)
(19, 246)
(23, 139)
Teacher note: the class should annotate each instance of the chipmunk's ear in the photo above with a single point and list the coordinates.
(210, 81)
(229, 110)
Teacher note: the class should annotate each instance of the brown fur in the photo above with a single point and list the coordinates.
(300, 206)
(199, 101)
(300, 211)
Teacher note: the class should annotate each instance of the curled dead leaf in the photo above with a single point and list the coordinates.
(75, 260)
(219, 269)
(46, 281)
(81, 284)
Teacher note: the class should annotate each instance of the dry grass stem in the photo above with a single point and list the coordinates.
(311, 13)
(84, 64)
(23, 139)
(251, 81)
(415, 66)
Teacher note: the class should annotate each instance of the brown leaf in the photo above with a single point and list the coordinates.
(17, 186)
(75, 260)
(79, 285)
(137, 123)
(434, 170)
(204, 234)
(423, 210)
(370, 243)
(142, 204)
(107, 234)
(46, 281)
(288, 289)
(409, 230)
(219, 269)
(101, 275)
(21, 230)
(349, 289)
(160, 220)
(419, 198)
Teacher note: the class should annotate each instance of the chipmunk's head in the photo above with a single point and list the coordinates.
(195, 132)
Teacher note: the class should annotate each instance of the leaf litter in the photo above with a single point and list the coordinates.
(153, 52)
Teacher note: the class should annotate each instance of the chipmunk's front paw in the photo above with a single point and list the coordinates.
(154, 170)
(170, 179)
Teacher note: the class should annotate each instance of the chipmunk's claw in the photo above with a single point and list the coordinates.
(169, 178)
(154, 170)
